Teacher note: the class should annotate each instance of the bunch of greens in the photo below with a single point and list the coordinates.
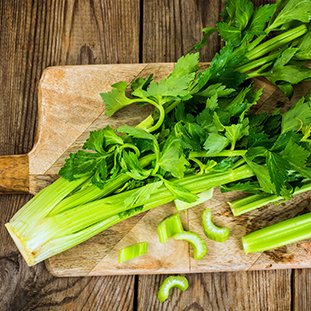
(201, 135)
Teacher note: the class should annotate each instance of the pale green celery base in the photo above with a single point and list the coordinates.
(29, 258)
(59, 245)
(41, 204)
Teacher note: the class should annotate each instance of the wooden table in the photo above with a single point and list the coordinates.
(37, 34)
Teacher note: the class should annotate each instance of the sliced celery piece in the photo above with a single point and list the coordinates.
(211, 230)
(203, 196)
(177, 281)
(169, 226)
(133, 251)
(197, 243)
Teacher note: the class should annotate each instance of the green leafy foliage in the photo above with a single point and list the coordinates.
(180, 192)
(293, 10)
(260, 18)
(222, 67)
(278, 169)
(297, 117)
(215, 143)
(207, 32)
(284, 74)
(139, 196)
(172, 158)
(116, 98)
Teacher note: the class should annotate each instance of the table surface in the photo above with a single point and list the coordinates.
(37, 34)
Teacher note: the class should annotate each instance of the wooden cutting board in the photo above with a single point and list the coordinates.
(69, 108)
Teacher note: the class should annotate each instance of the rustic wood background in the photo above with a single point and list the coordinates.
(36, 34)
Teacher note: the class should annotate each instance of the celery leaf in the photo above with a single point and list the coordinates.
(116, 98)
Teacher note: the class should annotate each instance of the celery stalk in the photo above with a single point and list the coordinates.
(276, 42)
(92, 192)
(285, 232)
(247, 204)
(172, 281)
(41, 238)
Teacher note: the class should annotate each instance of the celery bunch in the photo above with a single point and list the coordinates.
(200, 136)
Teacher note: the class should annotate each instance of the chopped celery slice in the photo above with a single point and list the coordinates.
(285, 232)
(203, 196)
(169, 226)
(212, 231)
(197, 243)
(177, 281)
(133, 251)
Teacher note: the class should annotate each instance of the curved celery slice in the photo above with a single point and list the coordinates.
(169, 226)
(133, 251)
(177, 281)
(203, 196)
(197, 243)
(212, 231)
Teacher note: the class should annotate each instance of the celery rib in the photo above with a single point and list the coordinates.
(249, 203)
(62, 231)
(285, 232)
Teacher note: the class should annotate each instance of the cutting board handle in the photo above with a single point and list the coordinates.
(14, 174)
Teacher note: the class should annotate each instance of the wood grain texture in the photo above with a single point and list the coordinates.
(171, 28)
(62, 131)
(14, 174)
(302, 283)
(34, 35)
(268, 290)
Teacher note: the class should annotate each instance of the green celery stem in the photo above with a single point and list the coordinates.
(70, 221)
(249, 203)
(168, 227)
(224, 153)
(276, 42)
(257, 63)
(92, 192)
(41, 204)
(81, 217)
(285, 232)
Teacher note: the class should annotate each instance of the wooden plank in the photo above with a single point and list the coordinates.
(62, 131)
(302, 289)
(267, 290)
(171, 28)
(34, 35)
